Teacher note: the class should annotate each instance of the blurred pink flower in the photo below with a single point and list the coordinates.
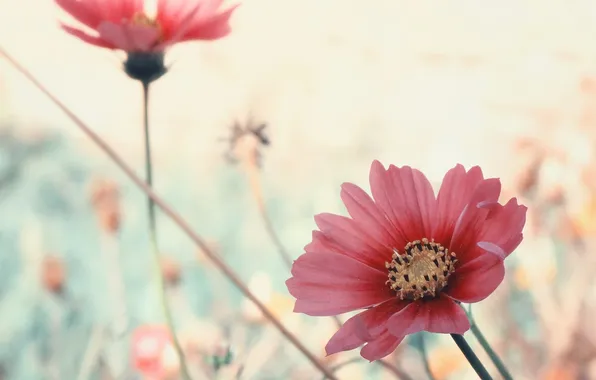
(149, 343)
(123, 24)
(406, 256)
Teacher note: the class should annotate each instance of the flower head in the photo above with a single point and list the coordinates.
(125, 25)
(151, 351)
(406, 256)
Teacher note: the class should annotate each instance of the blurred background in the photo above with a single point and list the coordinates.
(508, 85)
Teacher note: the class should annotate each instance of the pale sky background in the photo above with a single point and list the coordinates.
(340, 82)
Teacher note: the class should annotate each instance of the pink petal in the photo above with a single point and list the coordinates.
(86, 12)
(181, 19)
(456, 190)
(367, 215)
(406, 196)
(129, 37)
(170, 13)
(364, 327)
(439, 315)
(504, 226)
(211, 29)
(88, 38)
(355, 242)
(477, 279)
(116, 11)
(418, 198)
(352, 334)
(381, 187)
(384, 345)
(469, 225)
(331, 284)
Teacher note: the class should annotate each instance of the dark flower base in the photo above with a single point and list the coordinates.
(145, 67)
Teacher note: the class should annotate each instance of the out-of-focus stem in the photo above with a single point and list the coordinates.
(115, 283)
(252, 171)
(153, 237)
(92, 353)
(487, 348)
(174, 216)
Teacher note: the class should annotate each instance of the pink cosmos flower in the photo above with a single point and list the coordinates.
(406, 256)
(123, 24)
(149, 343)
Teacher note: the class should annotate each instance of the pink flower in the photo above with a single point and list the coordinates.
(123, 24)
(149, 344)
(406, 256)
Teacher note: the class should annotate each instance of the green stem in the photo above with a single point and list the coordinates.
(153, 236)
(471, 356)
(487, 348)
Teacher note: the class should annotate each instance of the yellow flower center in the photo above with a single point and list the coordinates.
(140, 18)
(421, 271)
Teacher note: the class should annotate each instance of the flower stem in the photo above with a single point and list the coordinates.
(471, 356)
(252, 171)
(173, 215)
(153, 236)
(487, 348)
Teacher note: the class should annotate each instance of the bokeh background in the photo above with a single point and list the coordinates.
(508, 85)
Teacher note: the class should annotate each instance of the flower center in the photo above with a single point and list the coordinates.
(142, 19)
(422, 271)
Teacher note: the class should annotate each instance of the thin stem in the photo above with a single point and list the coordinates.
(487, 348)
(148, 161)
(255, 184)
(175, 217)
(339, 366)
(425, 361)
(471, 356)
(153, 238)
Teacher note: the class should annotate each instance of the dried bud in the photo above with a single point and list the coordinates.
(105, 197)
(170, 270)
(53, 274)
(244, 143)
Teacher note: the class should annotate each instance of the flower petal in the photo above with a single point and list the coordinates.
(382, 346)
(406, 197)
(504, 226)
(354, 241)
(456, 190)
(212, 28)
(93, 40)
(364, 327)
(85, 12)
(470, 223)
(331, 284)
(477, 279)
(439, 315)
(381, 187)
(352, 334)
(367, 215)
(128, 37)
(417, 198)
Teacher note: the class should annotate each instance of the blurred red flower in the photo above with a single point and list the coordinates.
(149, 343)
(123, 24)
(406, 256)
